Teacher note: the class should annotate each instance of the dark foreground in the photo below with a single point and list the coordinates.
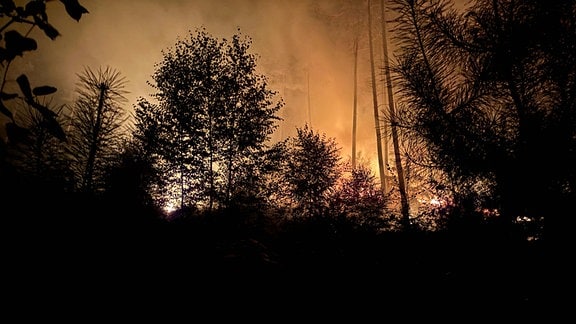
(315, 267)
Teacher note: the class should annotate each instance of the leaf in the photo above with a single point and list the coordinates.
(8, 96)
(34, 8)
(48, 29)
(54, 128)
(45, 111)
(50, 121)
(17, 44)
(17, 134)
(7, 6)
(5, 110)
(74, 9)
(20, 12)
(43, 90)
(24, 86)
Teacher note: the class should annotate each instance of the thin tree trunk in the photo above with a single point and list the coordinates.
(211, 162)
(233, 143)
(393, 124)
(181, 169)
(89, 171)
(385, 125)
(355, 118)
(383, 184)
(309, 104)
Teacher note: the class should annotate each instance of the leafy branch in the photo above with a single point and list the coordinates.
(14, 44)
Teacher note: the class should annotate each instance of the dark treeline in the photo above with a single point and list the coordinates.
(190, 186)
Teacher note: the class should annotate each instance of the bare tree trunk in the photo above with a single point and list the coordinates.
(89, 171)
(383, 183)
(181, 170)
(385, 125)
(355, 118)
(211, 167)
(309, 104)
(393, 124)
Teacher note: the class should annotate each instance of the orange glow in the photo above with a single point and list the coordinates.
(169, 208)
(304, 48)
(296, 42)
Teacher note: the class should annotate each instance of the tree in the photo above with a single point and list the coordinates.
(405, 210)
(146, 146)
(359, 197)
(127, 197)
(214, 116)
(97, 126)
(40, 157)
(489, 92)
(312, 170)
(31, 125)
(381, 166)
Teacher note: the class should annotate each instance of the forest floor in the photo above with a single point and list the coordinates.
(306, 267)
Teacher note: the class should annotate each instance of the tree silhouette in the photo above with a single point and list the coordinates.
(96, 127)
(32, 165)
(489, 92)
(39, 156)
(311, 171)
(213, 118)
(359, 197)
(400, 177)
(375, 107)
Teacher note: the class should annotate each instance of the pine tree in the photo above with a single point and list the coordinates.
(97, 126)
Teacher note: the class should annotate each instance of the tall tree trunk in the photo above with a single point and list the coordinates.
(211, 163)
(181, 168)
(232, 143)
(385, 125)
(383, 183)
(89, 171)
(355, 114)
(394, 127)
(309, 104)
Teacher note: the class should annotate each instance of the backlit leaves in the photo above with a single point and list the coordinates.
(54, 126)
(32, 14)
(17, 44)
(45, 111)
(24, 85)
(48, 29)
(5, 110)
(43, 90)
(17, 134)
(74, 9)
(34, 8)
(8, 96)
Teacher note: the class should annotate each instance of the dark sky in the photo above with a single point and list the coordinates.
(304, 48)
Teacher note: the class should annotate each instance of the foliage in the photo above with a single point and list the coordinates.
(40, 157)
(358, 196)
(211, 123)
(97, 126)
(311, 170)
(127, 198)
(15, 44)
(488, 92)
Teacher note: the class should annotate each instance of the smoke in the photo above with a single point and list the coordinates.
(304, 49)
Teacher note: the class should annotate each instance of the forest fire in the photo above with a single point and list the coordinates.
(333, 150)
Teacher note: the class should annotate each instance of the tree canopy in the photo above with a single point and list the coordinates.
(214, 114)
(489, 94)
